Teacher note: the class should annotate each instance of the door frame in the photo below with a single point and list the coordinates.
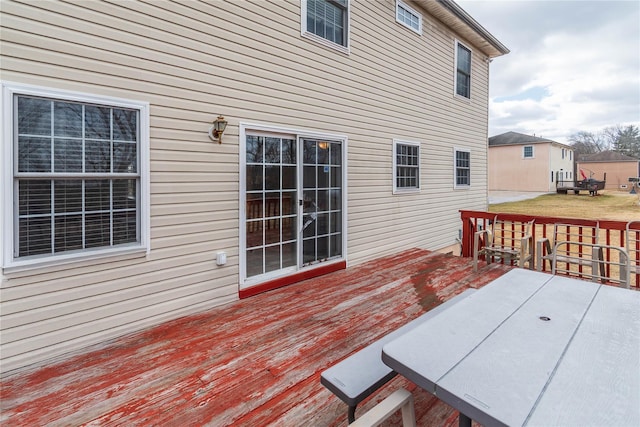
(298, 134)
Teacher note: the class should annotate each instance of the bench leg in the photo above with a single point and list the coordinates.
(400, 399)
(351, 414)
(463, 420)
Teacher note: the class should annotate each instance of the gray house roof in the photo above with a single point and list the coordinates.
(515, 138)
(606, 156)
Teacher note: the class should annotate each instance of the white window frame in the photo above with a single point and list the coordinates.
(404, 190)
(455, 70)
(402, 5)
(346, 48)
(7, 152)
(455, 168)
(533, 152)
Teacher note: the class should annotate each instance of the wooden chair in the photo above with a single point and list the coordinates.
(632, 239)
(605, 262)
(510, 241)
(573, 250)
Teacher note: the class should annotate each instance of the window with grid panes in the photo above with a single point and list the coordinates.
(76, 175)
(327, 19)
(406, 166)
(527, 151)
(462, 168)
(408, 17)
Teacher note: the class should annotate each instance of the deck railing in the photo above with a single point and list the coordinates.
(612, 233)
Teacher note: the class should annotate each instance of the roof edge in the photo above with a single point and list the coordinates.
(461, 14)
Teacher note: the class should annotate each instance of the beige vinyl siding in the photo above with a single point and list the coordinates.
(246, 60)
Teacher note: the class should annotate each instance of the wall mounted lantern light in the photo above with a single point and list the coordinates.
(216, 131)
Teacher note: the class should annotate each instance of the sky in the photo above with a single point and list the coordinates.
(574, 65)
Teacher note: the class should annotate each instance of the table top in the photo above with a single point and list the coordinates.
(531, 349)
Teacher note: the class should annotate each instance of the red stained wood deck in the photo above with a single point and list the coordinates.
(255, 362)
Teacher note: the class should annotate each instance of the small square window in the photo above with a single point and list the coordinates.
(408, 17)
(406, 166)
(462, 169)
(527, 152)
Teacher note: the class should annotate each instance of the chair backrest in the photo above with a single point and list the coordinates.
(509, 234)
(632, 239)
(608, 264)
(579, 238)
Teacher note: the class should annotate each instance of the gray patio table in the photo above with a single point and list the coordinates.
(531, 349)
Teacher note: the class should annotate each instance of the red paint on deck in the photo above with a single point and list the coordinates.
(292, 278)
(255, 362)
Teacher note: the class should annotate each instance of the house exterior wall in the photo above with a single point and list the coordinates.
(246, 60)
(561, 163)
(509, 170)
(618, 173)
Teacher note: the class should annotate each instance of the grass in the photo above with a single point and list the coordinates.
(610, 206)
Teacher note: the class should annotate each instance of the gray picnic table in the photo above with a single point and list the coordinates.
(531, 349)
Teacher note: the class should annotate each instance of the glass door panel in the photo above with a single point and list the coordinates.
(271, 204)
(322, 200)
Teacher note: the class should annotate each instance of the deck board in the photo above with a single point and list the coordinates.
(255, 362)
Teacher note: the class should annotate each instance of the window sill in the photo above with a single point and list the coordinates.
(462, 98)
(401, 191)
(63, 262)
(327, 43)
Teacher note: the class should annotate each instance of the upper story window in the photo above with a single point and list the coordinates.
(563, 153)
(406, 166)
(527, 151)
(463, 70)
(408, 17)
(327, 21)
(462, 168)
(77, 173)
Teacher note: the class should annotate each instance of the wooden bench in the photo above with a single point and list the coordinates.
(359, 375)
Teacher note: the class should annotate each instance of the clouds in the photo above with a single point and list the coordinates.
(574, 65)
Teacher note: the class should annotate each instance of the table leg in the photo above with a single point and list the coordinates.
(351, 414)
(463, 420)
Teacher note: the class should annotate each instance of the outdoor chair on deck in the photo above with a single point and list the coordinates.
(608, 264)
(632, 239)
(510, 241)
(573, 252)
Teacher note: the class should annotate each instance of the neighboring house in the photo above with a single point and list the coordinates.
(356, 129)
(617, 167)
(519, 162)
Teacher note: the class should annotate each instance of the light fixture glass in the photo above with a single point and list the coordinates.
(216, 131)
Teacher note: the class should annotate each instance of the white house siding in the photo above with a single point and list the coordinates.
(246, 60)
(560, 165)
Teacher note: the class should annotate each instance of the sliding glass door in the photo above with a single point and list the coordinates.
(293, 214)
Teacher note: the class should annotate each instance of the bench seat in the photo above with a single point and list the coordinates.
(359, 375)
